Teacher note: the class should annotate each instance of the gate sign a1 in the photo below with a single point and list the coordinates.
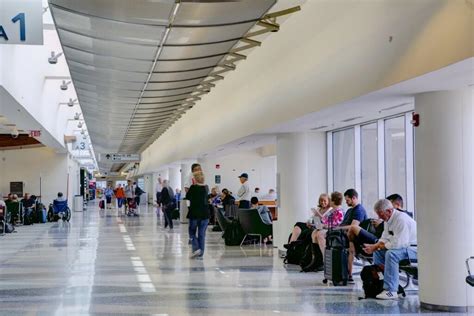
(21, 22)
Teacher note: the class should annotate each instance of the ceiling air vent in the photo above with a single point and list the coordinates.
(319, 127)
(394, 107)
(351, 119)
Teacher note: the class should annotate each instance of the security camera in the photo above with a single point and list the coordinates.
(64, 85)
(79, 125)
(53, 60)
(15, 133)
(70, 103)
(77, 117)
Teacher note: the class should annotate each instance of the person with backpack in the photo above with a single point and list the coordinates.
(168, 203)
(138, 193)
(398, 235)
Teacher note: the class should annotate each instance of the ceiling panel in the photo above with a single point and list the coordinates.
(220, 12)
(176, 65)
(149, 12)
(106, 48)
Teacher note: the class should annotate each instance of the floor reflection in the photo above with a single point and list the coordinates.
(102, 263)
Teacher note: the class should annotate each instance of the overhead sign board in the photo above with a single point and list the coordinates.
(120, 157)
(21, 22)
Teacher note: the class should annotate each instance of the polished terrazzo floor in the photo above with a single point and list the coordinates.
(102, 264)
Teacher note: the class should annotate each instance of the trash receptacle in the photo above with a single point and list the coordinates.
(78, 203)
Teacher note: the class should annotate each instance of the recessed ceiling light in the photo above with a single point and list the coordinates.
(351, 119)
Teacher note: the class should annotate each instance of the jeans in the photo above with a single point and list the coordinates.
(391, 259)
(168, 219)
(198, 241)
(119, 202)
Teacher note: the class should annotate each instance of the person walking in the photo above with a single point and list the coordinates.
(168, 203)
(108, 192)
(120, 195)
(138, 193)
(198, 214)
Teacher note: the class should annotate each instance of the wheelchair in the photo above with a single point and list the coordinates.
(59, 210)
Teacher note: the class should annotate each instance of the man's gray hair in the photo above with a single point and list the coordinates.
(382, 205)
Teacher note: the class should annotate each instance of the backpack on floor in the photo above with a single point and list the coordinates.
(9, 228)
(372, 281)
(233, 234)
(295, 252)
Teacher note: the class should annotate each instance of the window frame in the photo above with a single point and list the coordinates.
(410, 193)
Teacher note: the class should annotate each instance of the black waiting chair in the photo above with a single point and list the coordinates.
(253, 225)
(16, 211)
(223, 221)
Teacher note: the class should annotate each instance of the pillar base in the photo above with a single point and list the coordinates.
(444, 308)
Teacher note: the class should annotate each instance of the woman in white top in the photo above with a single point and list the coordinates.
(302, 230)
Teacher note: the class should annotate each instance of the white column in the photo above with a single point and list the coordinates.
(174, 177)
(185, 172)
(298, 155)
(149, 188)
(444, 156)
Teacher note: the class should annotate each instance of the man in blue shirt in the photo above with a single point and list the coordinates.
(355, 215)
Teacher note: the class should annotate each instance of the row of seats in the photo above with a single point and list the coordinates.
(29, 211)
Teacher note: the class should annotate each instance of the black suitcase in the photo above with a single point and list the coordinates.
(335, 265)
(336, 257)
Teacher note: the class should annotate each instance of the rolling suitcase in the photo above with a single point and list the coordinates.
(335, 265)
(336, 257)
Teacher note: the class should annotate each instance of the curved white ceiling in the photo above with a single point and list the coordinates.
(138, 65)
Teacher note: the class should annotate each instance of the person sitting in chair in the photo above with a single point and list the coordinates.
(60, 197)
(263, 211)
(265, 215)
(398, 235)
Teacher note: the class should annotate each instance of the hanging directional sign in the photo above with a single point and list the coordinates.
(21, 22)
(120, 157)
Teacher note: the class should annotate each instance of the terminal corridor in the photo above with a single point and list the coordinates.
(101, 264)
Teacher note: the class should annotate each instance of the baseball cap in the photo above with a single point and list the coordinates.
(244, 175)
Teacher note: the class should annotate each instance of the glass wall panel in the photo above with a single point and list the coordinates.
(395, 157)
(343, 160)
(369, 166)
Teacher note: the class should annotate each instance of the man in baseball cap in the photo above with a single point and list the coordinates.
(243, 195)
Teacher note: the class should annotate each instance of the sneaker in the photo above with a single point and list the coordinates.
(196, 253)
(387, 295)
(286, 246)
(350, 280)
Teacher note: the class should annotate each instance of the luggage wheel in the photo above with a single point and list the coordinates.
(325, 281)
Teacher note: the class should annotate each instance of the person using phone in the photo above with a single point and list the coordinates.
(301, 230)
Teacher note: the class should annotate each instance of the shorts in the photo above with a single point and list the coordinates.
(302, 226)
(365, 237)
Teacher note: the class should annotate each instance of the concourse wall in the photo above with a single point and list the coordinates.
(28, 165)
(261, 171)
